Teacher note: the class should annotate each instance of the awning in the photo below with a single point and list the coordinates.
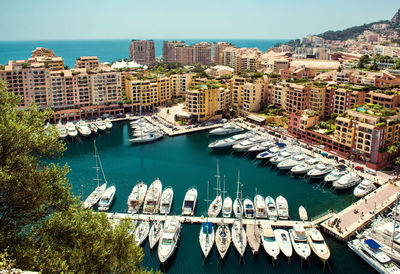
(256, 118)
(372, 244)
(207, 227)
(281, 144)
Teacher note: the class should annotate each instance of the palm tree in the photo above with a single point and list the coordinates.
(393, 149)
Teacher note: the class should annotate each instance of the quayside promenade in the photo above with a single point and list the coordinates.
(346, 223)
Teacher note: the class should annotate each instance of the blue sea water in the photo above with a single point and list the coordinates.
(106, 50)
(185, 161)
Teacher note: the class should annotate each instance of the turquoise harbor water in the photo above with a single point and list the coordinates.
(186, 161)
(106, 50)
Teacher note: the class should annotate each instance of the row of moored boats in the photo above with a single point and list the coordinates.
(83, 128)
(144, 131)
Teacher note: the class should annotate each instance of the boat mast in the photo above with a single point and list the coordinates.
(223, 199)
(240, 219)
(207, 200)
(97, 163)
(218, 180)
(101, 167)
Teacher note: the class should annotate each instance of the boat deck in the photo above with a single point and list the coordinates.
(344, 224)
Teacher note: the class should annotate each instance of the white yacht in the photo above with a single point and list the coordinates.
(259, 204)
(147, 138)
(93, 128)
(303, 213)
(216, 204)
(305, 167)
(101, 125)
(227, 207)
(371, 253)
(335, 174)
(169, 239)
(284, 155)
(229, 142)
(83, 128)
(320, 170)
(155, 233)
(223, 239)
(282, 208)
(239, 238)
(283, 239)
(237, 208)
(292, 162)
(62, 131)
(271, 208)
(261, 146)
(253, 235)
(248, 208)
(317, 244)
(152, 199)
(269, 153)
(269, 242)
(299, 241)
(71, 129)
(136, 198)
(365, 187)
(226, 129)
(206, 238)
(141, 232)
(108, 123)
(248, 143)
(189, 202)
(107, 199)
(348, 180)
(167, 197)
(95, 196)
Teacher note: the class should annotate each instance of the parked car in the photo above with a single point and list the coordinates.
(371, 171)
(360, 168)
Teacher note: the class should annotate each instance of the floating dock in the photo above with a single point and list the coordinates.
(345, 224)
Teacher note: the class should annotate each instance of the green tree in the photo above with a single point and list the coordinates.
(42, 226)
(397, 162)
(393, 149)
(363, 61)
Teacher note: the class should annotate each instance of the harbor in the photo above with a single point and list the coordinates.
(146, 162)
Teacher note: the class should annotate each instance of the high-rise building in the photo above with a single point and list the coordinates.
(218, 48)
(87, 62)
(178, 52)
(142, 52)
(169, 52)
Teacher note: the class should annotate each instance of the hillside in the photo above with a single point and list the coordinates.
(349, 32)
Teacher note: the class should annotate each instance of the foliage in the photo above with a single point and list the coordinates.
(393, 149)
(25, 65)
(256, 75)
(363, 61)
(397, 162)
(42, 226)
(5, 262)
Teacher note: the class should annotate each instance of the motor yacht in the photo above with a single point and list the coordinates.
(227, 207)
(261, 146)
(269, 153)
(259, 204)
(248, 208)
(101, 125)
(93, 127)
(206, 238)
(71, 129)
(317, 244)
(229, 142)
(303, 213)
(83, 128)
(365, 187)
(305, 167)
(147, 138)
(271, 208)
(282, 208)
(346, 181)
(285, 154)
(239, 238)
(335, 174)
(226, 129)
(152, 199)
(169, 239)
(107, 198)
(223, 239)
(320, 170)
(155, 233)
(189, 202)
(292, 162)
(108, 123)
(248, 143)
(141, 232)
(167, 197)
(269, 242)
(136, 198)
(283, 239)
(299, 241)
(62, 131)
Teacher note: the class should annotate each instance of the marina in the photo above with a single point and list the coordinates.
(268, 181)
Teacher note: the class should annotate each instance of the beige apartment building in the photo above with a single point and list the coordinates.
(218, 49)
(142, 93)
(202, 103)
(179, 83)
(39, 52)
(316, 101)
(87, 62)
(164, 92)
(277, 95)
(179, 52)
(142, 52)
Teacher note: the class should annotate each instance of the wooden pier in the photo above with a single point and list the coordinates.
(345, 224)
(216, 220)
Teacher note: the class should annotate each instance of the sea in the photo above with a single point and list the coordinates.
(186, 161)
(106, 50)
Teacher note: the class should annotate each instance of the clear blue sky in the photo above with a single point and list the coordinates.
(99, 19)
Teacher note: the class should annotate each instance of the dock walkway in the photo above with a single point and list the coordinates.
(346, 223)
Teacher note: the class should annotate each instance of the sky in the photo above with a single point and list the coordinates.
(167, 19)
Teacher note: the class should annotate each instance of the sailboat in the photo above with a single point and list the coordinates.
(95, 196)
(237, 204)
(155, 233)
(223, 235)
(207, 234)
(253, 234)
(239, 238)
(107, 198)
(216, 205)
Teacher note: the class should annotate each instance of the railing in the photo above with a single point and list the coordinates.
(319, 216)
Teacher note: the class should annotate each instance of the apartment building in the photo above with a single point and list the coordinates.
(53, 63)
(142, 52)
(179, 83)
(229, 56)
(105, 87)
(253, 97)
(87, 62)
(218, 49)
(202, 103)
(246, 62)
(277, 95)
(224, 99)
(390, 101)
(316, 100)
(297, 97)
(169, 52)
(179, 52)
(345, 98)
(142, 93)
(39, 52)
(164, 92)
(237, 91)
